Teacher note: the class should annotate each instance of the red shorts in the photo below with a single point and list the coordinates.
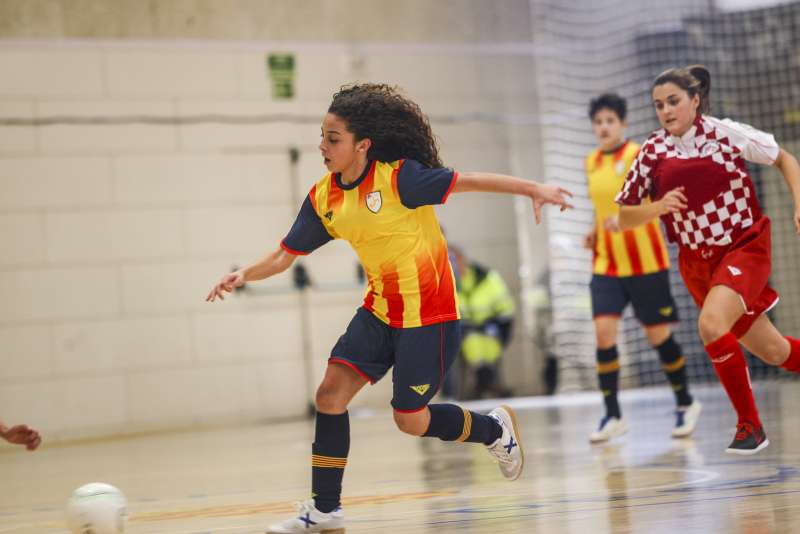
(743, 266)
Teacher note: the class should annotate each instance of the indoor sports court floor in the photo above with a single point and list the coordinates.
(239, 480)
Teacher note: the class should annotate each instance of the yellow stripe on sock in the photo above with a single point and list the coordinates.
(328, 461)
(321, 462)
(325, 466)
(608, 367)
(674, 366)
(467, 425)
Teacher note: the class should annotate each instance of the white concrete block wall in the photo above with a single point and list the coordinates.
(201, 179)
(17, 139)
(22, 238)
(112, 234)
(105, 139)
(52, 73)
(177, 73)
(27, 351)
(45, 182)
(32, 294)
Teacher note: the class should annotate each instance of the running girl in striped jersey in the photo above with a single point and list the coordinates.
(630, 266)
(385, 176)
(693, 169)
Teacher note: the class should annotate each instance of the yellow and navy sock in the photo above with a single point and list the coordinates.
(453, 423)
(674, 365)
(608, 376)
(329, 458)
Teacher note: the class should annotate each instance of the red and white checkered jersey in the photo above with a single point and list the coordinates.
(709, 162)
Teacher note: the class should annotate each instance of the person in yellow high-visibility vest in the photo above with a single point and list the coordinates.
(487, 317)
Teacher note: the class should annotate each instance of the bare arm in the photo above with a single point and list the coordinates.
(270, 265)
(540, 194)
(493, 183)
(633, 216)
(790, 168)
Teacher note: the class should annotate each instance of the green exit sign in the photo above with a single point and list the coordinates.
(281, 75)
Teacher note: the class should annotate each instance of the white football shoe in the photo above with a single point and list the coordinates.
(507, 449)
(309, 519)
(610, 427)
(686, 419)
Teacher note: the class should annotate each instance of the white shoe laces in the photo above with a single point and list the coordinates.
(499, 453)
(304, 506)
(497, 449)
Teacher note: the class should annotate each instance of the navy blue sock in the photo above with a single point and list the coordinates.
(674, 365)
(453, 423)
(329, 458)
(608, 376)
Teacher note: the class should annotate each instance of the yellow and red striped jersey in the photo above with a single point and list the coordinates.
(641, 250)
(387, 217)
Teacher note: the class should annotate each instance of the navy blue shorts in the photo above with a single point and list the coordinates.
(420, 356)
(649, 293)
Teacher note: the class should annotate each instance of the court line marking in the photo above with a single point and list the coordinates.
(620, 507)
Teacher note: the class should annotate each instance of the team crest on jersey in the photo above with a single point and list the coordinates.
(374, 201)
(619, 167)
(708, 149)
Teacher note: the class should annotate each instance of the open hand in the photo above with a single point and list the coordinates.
(228, 283)
(23, 435)
(674, 201)
(549, 194)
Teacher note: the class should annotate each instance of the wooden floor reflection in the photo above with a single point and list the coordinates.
(239, 480)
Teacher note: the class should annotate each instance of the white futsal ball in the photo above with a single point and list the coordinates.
(97, 508)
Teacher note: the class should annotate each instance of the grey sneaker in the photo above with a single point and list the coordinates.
(749, 439)
(309, 519)
(507, 449)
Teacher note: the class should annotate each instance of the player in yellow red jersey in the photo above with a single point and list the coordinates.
(385, 176)
(628, 267)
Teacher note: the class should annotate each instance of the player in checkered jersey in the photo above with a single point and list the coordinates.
(693, 170)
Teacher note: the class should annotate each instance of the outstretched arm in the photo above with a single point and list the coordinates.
(790, 168)
(540, 194)
(270, 265)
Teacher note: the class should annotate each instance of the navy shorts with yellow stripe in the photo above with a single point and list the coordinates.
(420, 356)
(649, 293)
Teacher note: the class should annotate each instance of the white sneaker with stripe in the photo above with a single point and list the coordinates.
(507, 449)
(309, 519)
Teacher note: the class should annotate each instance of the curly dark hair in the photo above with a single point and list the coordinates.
(396, 126)
(611, 101)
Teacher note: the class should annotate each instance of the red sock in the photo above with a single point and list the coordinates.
(792, 363)
(731, 368)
